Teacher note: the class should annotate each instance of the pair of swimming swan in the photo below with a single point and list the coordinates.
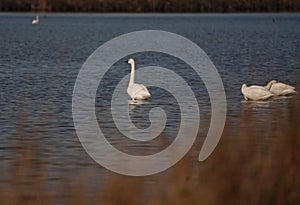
(273, 88)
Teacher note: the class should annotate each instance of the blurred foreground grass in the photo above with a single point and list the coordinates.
(236, 173)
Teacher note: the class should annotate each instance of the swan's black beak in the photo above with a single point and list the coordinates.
(126, 61)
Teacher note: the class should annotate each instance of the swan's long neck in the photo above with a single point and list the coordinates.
(269, 85)
(131, 81)
(244, 86)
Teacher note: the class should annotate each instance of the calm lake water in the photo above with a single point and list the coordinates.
(39, 65)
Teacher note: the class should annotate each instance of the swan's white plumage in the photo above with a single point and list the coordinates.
(134, 90)
(278, 88)
(36, 20)
(256, 92)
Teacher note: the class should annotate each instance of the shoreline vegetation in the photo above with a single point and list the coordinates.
(252, 170)
(151, 6)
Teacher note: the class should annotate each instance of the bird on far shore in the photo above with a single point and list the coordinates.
(36, 20)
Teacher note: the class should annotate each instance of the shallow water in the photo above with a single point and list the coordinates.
(39, 65)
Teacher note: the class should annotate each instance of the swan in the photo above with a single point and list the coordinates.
(278, 88)
(136, 91)
(256, 92)
(36, 20)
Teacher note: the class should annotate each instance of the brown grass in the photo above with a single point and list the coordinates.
(246, 168)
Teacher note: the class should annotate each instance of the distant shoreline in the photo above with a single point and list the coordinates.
(142, 13)
(151, 6)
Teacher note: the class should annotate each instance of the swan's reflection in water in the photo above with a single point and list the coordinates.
(139, 115)
(134, 103)
(264, 120)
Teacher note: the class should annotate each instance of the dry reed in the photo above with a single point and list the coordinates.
(238, 172)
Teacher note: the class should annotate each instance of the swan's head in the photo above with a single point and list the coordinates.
(244, 86)
(130, 61)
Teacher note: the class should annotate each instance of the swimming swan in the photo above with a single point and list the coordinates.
(136, 91)
(278, 88)
(36, 20)
(256, 92)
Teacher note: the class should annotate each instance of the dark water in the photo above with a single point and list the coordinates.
(39, 65)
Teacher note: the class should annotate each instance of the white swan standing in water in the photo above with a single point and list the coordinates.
(278, 88)
(136, 91)
(36, 20)
(256, 92)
